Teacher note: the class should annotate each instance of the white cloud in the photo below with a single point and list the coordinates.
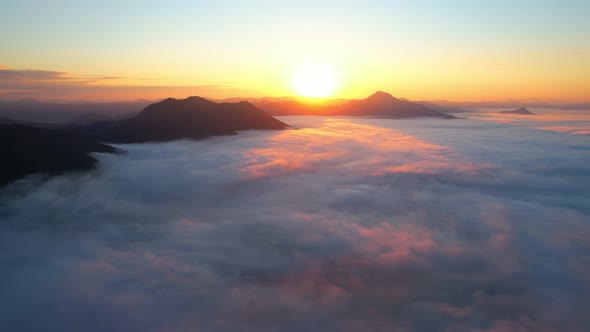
(412, 225)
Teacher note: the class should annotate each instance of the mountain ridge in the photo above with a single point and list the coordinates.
(379, 104)
(193, 118)
(29, 150)
(521, 111)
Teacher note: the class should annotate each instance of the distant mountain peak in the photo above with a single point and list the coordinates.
(380, 104)
(167, 101)
(196, 99)
(381, 97)
(193, 117)
(522, 111)
(189, 100)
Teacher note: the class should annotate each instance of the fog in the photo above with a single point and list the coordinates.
(340, 225)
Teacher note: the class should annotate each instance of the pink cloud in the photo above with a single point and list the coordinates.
(360, 149)
(576, 130)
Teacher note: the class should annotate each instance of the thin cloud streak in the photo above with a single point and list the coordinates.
(55, 85)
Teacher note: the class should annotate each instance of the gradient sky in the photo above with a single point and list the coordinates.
(459, 50)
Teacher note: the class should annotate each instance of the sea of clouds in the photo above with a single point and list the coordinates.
(340, 225)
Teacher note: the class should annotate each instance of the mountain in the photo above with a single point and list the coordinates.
(385, 105)
(30, 110)
(84, 119)
(291, 107)
(4, 120)
(475, 105)
(444, 109)
(380, 104)
(28, 150)
(522, 111)
(173, 119)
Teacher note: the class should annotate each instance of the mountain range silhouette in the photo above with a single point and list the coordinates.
(52, 149)
(522, 111)
(28, 150)
(173, 119)
(379, 104)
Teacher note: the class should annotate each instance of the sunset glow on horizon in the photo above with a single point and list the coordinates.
(315, 81)
(493, 51)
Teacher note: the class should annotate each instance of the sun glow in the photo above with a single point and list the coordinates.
(315, 81)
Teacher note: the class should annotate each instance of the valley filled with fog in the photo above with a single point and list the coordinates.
(342, 224)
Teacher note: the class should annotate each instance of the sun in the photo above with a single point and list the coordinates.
(315, 81)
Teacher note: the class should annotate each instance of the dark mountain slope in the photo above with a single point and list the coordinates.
(174, 119)
(27, 150)
(4, 120)
(85, 119)
(58, 113)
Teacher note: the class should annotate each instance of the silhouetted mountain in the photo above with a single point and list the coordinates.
(252, 100)
(475, 105)
(292, 107)
(27, 150)
(444, 109)
(84, 119)
(173, 119)
(522, 111)
(89, 118)
(4, 120)
(379, 104)
(30, 110)
(381, 98)
(385, 105)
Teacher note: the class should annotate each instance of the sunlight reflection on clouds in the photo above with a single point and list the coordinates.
(341, 225)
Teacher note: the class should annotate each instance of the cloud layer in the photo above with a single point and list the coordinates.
(56, 85)
(342, 225)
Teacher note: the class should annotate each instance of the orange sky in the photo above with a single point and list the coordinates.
(424, 51)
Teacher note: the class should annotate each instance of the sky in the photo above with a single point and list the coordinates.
(346, 224)
(421, 50)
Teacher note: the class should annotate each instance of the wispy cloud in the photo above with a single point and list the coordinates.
(52, 85)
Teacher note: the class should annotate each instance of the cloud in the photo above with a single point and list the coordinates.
(576, 130)
(407, 225)
(14, 76)
(56, 85)
(560, 121)
(40, 75)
